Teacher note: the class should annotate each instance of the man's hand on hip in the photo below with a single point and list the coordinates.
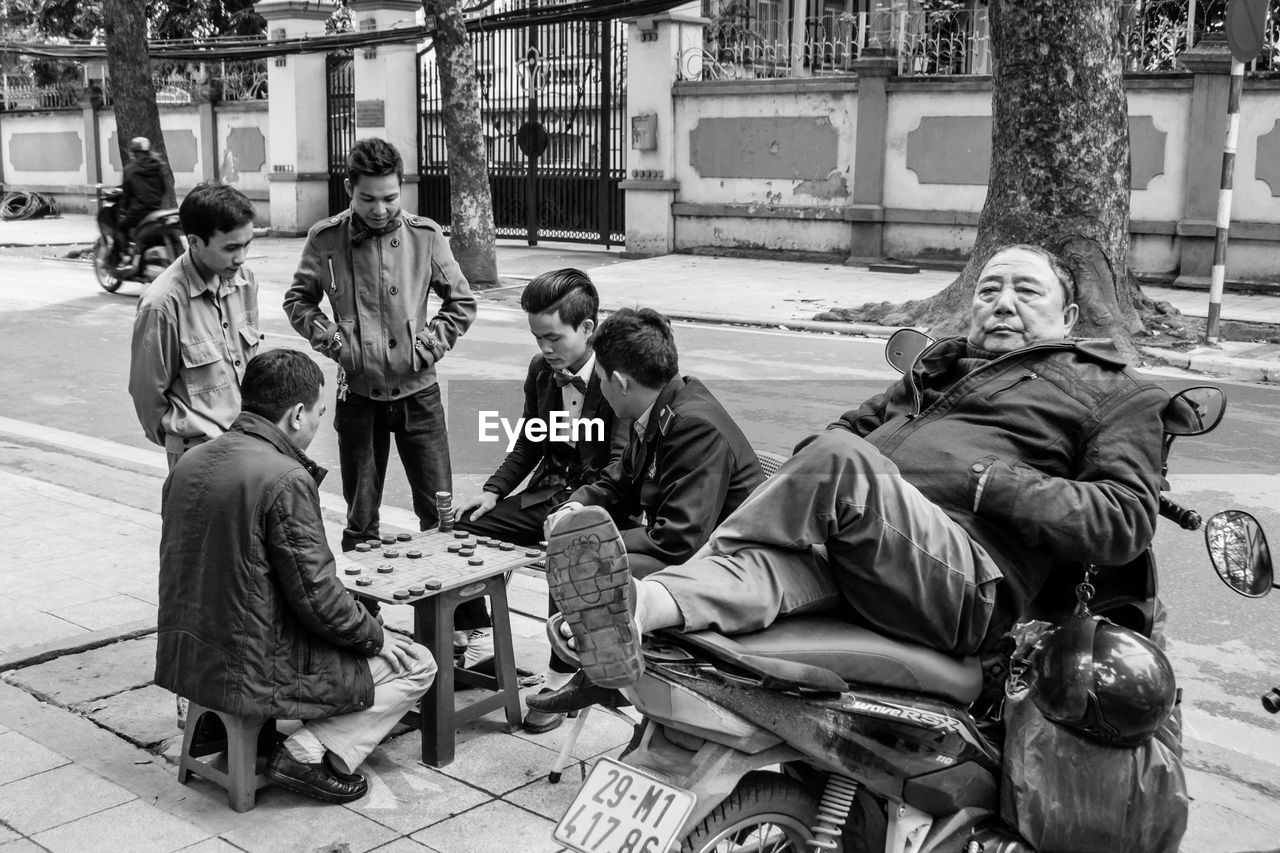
(401, 653)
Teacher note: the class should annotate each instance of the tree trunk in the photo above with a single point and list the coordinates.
(1059, 165)
(133, 94)
(471, 204)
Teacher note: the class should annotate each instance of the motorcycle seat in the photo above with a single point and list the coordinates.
(156, 216)
(822, 653)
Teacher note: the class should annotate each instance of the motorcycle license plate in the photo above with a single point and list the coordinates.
(623, 810)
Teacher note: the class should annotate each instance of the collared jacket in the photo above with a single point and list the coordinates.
(690, 468)
(556, 466)
(253, 619)
(379, 290)
(190, 348)
(1049, 456)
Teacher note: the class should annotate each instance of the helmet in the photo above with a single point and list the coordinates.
(1106, 682)
(139, 143)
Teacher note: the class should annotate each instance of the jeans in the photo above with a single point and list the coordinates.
(837, 530)
(364, 428)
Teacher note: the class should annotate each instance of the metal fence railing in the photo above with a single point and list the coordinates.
(764, 38)
(175, 83)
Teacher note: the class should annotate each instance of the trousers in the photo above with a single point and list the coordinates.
(351, 737)
(837, 530)
(364, 428)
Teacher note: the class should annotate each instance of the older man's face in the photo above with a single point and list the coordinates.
(1018, 302)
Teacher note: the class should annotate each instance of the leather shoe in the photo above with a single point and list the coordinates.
(541, 722)
(576, 694)
(314, 780)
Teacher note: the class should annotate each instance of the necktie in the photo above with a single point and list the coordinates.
(563, 379)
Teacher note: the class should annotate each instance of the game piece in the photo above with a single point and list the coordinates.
(388, 539)
(400, 594)
(417, 589)
(390, 554)
(507, 546)
(460, 534)
(482, 540)
(374, 542)
(533, 552)
(363, 547)
(384, 569)
(364, 580)
(475, 561)
(466, 552)
(352, 570)
(454, 547)
(404, 537)
(433, 584)
(444, 509)
(413, 555)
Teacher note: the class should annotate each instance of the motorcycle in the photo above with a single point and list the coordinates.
(816, 733)
(1242, 559)
(158, 241)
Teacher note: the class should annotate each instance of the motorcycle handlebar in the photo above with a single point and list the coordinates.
(1187, 519)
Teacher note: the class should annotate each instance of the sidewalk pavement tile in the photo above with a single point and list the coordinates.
(24, 757)
(59, 590)
(134, 826)
(405, 794)
(72, 679)
(146, 716)
(56, 797)
(284, 822)
(25, 626)
(543, 798)
(116, 610)
(1224, 812)
(403, 845)
(212, 845)
(602, 732)
(7, 835)
(494, 826)
(22, 845)
(489, 758)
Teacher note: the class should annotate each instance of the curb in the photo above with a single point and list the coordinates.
(1217, 364)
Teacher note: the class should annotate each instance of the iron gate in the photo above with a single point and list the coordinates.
(340, 94)
(552, 107)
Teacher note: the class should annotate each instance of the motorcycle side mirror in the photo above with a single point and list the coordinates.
(1239, 551)
(904, 347)
(1194, 411)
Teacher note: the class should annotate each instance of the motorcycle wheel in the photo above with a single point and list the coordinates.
(101, 269)
(766, 811)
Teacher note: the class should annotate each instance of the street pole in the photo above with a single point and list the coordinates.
(1224, 202)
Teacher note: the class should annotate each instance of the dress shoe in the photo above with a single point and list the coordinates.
(541, 722)
(314, 780)
(576, 694)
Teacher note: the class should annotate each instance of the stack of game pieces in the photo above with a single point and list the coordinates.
(444, 508)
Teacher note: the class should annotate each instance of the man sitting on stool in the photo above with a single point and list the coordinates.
(253, 620)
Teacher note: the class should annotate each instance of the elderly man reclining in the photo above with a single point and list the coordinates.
(944, 503)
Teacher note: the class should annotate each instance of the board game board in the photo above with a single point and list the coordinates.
(406, 568)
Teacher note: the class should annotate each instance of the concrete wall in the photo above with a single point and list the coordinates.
(54, 151)
(934, 140)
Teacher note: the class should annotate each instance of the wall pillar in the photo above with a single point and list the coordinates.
(1210, 62)
(386, 83)
(90, 104)
(298, 140)
(866, 240)
(656, 48)
(206, 98)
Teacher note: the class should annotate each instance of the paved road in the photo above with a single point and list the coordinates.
(63, 365)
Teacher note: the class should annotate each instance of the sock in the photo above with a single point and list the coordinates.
(305, 746)
(655, 608)
(556, 680)
(479, 646)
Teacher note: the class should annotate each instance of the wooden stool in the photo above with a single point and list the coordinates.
(243, 741)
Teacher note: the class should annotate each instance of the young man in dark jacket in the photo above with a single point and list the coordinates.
(942, 505)
(143, 186)
(582, 437)
(686, 467)
(252, 619)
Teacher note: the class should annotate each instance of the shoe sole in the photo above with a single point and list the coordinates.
(543, 728)
(299, 787)
(588, 578)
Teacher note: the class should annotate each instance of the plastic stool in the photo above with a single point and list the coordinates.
(244, 739)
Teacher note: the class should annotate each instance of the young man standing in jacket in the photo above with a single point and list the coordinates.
(943, 505)
(252, 619)
(379, 267)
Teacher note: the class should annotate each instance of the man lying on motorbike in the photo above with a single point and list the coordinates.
(142, 191)
(933, 513)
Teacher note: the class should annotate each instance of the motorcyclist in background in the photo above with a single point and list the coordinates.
(142, 191)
